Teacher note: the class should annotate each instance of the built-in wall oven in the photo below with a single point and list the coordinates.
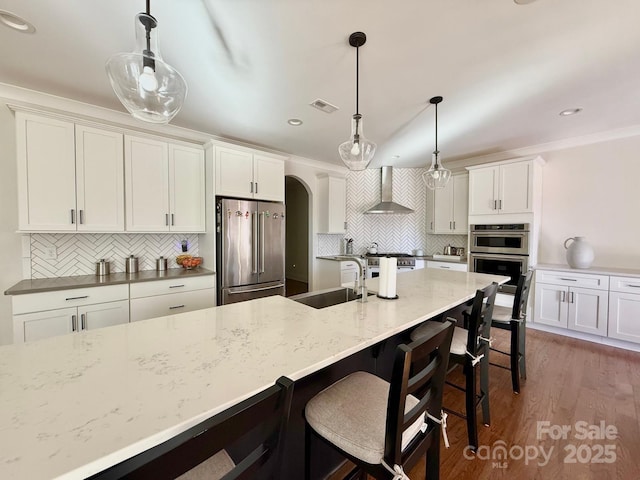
(500, 249)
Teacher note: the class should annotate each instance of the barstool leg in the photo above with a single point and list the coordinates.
(307, 451)
(515, 355)
(484, 388)
(522, 339)
(433, 459)
(470, 401)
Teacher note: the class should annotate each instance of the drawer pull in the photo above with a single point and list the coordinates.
(633, 286)
(176, 286)
(569, 279)
(77, 298)
(442, 266)
(177, 306)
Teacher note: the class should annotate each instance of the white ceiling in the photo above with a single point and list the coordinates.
(505, 70)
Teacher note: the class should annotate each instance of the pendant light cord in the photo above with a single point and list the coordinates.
(149, 7)
(357, 79)
(436, 128)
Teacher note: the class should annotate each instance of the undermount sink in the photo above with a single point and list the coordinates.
(327, 298)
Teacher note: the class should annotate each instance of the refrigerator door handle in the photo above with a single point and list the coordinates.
(233, 291)
(254, 241)
(261, 217)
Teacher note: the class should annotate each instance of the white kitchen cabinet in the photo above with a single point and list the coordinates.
(168, 297)
(245, 174)
(506, 188)
(332, 204)
(42, 315)
(70, 177)
(458, 267)
(448, 207)
(576, 301)
(624, 309)
(164, 186)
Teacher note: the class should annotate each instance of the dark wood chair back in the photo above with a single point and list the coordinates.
(479, 322)
(521, 297)
(419, 369)
(258, 422)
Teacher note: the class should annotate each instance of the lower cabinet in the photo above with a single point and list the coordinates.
(43, 315)
(458, 267)
(624, 309)
(563, 300)
(168, 297)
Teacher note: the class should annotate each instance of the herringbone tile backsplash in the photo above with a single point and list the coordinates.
(77, 254)
(392, 233)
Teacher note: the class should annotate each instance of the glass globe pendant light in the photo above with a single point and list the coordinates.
(149, 88)
(437, 176)
(357, 152)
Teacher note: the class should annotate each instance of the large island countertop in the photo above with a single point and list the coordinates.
(73, 405)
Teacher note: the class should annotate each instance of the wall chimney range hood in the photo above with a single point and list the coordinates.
(387, 205)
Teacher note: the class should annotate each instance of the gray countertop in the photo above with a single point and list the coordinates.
(81, 281)
(622, 272)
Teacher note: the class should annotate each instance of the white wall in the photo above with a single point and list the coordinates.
(593, 191)
(10, 241)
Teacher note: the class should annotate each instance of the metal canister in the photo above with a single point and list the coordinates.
(131, 264)
(103, 267)
(161, 264)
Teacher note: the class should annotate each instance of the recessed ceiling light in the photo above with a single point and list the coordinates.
(523, 2)
(296, 122)
(12, 20)
(569, 111)
(396, 157)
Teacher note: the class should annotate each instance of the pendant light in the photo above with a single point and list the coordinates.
(357, 152)
(149, 88)
(437, 176)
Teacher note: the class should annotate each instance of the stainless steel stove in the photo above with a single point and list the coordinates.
(406, 262)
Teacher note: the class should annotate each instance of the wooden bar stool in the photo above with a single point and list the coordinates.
(386, 427)
(515, 320)
(200, 452)
(470, 349)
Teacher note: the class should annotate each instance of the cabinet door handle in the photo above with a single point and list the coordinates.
(77, 298)
(176, 306)
(166, 219)
(571, 297)
(563, 296)
(499, 204)
(172, 219)
(454, 224)
(81, 212)
(256, 187)
(73, 216)
(569, 279)
(251, 185)
(495, 204)
(83, 321)
(74, 323)
(175, 286)
(450, 225)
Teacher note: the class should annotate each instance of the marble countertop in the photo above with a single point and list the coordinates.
(620, 272)
(81, 281)
(73, 405)
(341, 258)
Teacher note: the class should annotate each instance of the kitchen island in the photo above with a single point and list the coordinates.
(73, 405)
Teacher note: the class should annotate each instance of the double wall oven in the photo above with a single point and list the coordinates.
(500, 249)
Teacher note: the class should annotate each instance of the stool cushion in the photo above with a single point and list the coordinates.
(352, 415)
(458, 342)
(212, 468)
(501, 314)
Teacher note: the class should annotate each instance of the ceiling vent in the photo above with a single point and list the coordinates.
(387, 205)
(323, 106)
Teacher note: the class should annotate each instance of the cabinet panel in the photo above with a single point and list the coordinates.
(443, 219)
(515, 188)
(625, 284)
(458, 267)
(234, 173)
(332, 204)
(37, 302)
(160, 287)
(103, 315)
(431, 210)
(588, 310)
(624, 316)
(38, 326)
(160, 306)
(187, 188)
(147, 185)
(571, 279)
(268, 177)
(460, 204)
(550, 306)
(46, 173)
(99, 180)
(483, 184)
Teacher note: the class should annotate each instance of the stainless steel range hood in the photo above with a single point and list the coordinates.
(387, 205)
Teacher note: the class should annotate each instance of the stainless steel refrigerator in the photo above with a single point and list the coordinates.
(250, 239)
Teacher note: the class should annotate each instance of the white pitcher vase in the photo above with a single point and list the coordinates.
(579, 252)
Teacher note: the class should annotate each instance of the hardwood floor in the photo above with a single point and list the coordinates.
(569, 381)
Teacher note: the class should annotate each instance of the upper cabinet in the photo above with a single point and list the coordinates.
(332, 204)
(165, 186)
(243, 174)
(70, 177)
(447, 208)
(504, 188)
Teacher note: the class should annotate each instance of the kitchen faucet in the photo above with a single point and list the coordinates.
(360, 286)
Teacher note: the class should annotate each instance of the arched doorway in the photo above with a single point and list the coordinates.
(297, 236)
